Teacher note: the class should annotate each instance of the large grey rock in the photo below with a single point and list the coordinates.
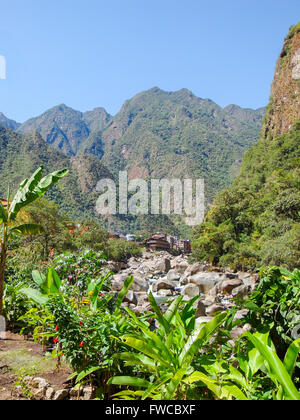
(164, 265)
(191, 290)
(181, 267)
(173, 275)
(140, 284)
(164, 284)
(206, 281)
(228, 285)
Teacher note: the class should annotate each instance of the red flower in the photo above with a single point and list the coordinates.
(82, 344)
(80, 323)
(55, 340)
(57, 328)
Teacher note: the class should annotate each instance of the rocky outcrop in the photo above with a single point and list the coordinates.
(284, 108)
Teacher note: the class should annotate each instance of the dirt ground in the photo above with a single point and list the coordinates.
(20, 358)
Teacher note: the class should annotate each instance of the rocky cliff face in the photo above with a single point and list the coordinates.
(284, 107)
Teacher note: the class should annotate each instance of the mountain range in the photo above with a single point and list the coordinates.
(155, 134)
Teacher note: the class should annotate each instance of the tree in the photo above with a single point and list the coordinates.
(30, 190)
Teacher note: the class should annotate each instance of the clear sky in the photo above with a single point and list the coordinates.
(99, 53)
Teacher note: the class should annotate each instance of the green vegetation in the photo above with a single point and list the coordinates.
(257, 221)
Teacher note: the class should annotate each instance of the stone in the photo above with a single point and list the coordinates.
(50, 393)
(173, 276)
(140, 284)
(206, 281)
(191, 290)
(228, 285)
(240, 314)
(60, 395)
(201, 309)
(131, 298)
(231, 276)
(164, 284)
(164, 292)
(39, 393)
(202, 320)
(213, 309)
(88, 393)
(164, 265)
(181, 267)
(241, 292)
(39, 383)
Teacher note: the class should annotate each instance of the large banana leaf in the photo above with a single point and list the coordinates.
(33, 188)
(34, 295)
(27, 229)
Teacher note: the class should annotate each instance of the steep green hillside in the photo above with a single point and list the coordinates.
(22, 154)
(66, 129)
(257, 220)
(176, 134)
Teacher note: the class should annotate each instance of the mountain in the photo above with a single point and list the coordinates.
(66, 129)
(21, 155)
(8, 123)
(176, 134)
(257, 221)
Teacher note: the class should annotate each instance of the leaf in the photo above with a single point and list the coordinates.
(27, 229)
(292, 356)
(128, 381)
(53, 281)
(144, 347)
(32, 189)
(160, 318)
(38, 278)
(206, 331)
(173, 385)
(34, 295)
(127, 283)
(277, 368)
(86, 373)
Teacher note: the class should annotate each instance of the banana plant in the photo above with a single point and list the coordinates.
(30, 190)
(164, 356)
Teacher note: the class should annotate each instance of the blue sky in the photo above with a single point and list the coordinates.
(99, 53)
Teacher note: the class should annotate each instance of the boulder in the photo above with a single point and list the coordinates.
(213, 309)
(206, 281)
(181, 267)
(164, 265)
(164, 284)
(191, 290)
(60, 395)
(228, 285)
(50, 393)
(173, 276)
(140, 284)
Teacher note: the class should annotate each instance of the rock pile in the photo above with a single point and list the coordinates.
(167, 276)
